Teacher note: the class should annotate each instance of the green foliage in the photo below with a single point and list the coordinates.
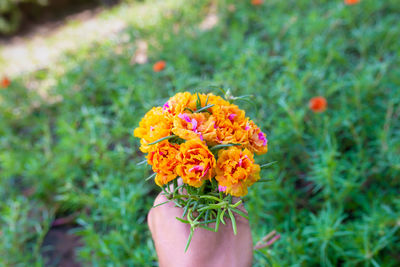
(10, 14)
(334, 191)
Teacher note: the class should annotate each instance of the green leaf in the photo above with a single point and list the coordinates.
(182, 220)
(268, 164)
(242, 97)
(264, 180)
(211, 206)
(161, 139)
(221, 216)
(241, 213)
(206, 100)
(199, 216)
(151, 176)
(211, 197)
(218, 220)
(207, 221)
(233, 221)
(161, 203)
(175, 186)
(207, 215)
(141, 162)
(198, 101)
(222, 90)
(185, 209)
(207, 228)
(195, 206)
(190, 238)
(189, 109)
(204, 108)
(177, 204)
(236, 204)
(224, 145)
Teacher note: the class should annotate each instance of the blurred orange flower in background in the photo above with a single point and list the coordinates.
(318, 104)
(257, 2)
(351, 2)
(159, 66)
(5, 82)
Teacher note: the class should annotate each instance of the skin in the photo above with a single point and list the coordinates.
(207, 249)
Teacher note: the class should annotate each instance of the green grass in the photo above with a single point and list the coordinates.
(66, 141)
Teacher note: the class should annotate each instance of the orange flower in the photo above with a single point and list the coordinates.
(317, 104)
(163, 160)
(159, 66)
(257, 2)
(228, 132)
(194, 125)
(153, 126)
(208, 99)
(229, 124)
(177, 104)
(236, 171)
(351, 2)
(223, 127)
(258, 142)
(5, 82)
(217, 100)
(196, 163)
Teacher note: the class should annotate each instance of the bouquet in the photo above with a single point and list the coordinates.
(210, 144)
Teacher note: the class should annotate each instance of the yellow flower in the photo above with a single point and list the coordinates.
(236, 171)
(154, 125)
(196, 163)
(162, 157)
(258, 142)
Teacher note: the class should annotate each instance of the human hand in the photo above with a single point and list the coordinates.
(207, 249)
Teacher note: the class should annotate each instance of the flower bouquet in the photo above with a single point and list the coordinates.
(210, 144)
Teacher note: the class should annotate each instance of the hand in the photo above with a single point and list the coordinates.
(207, 249)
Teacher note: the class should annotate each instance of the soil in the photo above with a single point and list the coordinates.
(55, 13)
(40, 44)
(59, 247)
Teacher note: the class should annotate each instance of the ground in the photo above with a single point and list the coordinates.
(68, 160)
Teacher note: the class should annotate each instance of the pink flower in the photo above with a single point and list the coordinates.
(221, 188)
(196, 168)
(184, 117)
(205, 172)
(231, 117)
(194, 124)
(263, 138)
(241, 160)
(166, 106)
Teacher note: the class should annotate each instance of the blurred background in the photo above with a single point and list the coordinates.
(76, 77)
